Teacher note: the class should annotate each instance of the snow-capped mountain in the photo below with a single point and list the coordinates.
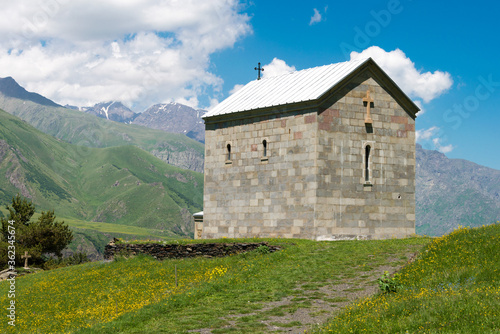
(169, 117)
(174, 117)
(113, 110)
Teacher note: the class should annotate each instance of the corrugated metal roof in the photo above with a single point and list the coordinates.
(306, 85)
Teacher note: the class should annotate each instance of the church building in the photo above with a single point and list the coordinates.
(325, 153)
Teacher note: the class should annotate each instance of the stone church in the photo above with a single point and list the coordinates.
(325, 153)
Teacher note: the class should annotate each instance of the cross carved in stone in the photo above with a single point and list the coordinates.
(25, 257)
(369, 101)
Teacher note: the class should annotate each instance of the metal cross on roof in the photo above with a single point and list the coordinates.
(260, 69)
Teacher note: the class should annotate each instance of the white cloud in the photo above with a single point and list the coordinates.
(432, 138)
(139, 52)
(236, 88)
(276, 67)
(446, 149)
(427, 134)
(316, 18)
(440, 148)
(423, 85)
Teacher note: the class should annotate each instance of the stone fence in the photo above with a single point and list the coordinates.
(174, 251)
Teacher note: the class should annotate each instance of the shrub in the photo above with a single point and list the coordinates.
(388, 284)
(77, 258)
(263, 249)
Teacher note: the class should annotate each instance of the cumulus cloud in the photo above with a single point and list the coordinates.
(416, 83)
(277, 67)
(431, 139)
(139, 52)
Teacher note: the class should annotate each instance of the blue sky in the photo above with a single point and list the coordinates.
(460, 39)
(444, 55)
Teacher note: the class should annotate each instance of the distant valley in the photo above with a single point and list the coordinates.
(123, 185)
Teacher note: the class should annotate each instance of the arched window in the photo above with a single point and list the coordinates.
(228, 152)
(367, 163)
(264, 146)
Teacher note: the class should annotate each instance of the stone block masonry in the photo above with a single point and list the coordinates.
(339, 167)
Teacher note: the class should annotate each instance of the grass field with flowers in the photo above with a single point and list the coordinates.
(62, 300)
(226, 295)
(452, 287)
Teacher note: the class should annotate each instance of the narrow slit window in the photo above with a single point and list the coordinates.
(367, 163)
(228, 152)
(264, 146)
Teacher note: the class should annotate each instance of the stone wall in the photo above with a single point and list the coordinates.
(257, 196)
(173, 251)
(349, 202)
(312, 182)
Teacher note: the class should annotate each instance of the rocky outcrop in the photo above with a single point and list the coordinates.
(10, 156)
(7, 274)
(188, 159)
(175, 251)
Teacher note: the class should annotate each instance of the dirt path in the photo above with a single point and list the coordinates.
(312, 304)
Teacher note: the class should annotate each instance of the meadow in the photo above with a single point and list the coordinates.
(230, 294)
(451, 287)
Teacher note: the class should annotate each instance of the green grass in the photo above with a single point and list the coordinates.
(115, 229)
(82, 296)
(233, 301)
(92, 237)
(452, 287)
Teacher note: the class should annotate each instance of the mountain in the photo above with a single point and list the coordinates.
(122, 185)
(87, 130)
(10, 88)
(452, 192)
(114, 111)
(168, 117)
(175, 118)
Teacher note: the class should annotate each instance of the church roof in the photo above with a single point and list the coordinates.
(300, 86)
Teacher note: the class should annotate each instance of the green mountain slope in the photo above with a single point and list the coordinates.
(88, 130)
(122, 185)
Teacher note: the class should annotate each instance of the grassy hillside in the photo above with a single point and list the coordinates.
(451, 287)
(120, 185)
(246, 293)
(88, 130)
